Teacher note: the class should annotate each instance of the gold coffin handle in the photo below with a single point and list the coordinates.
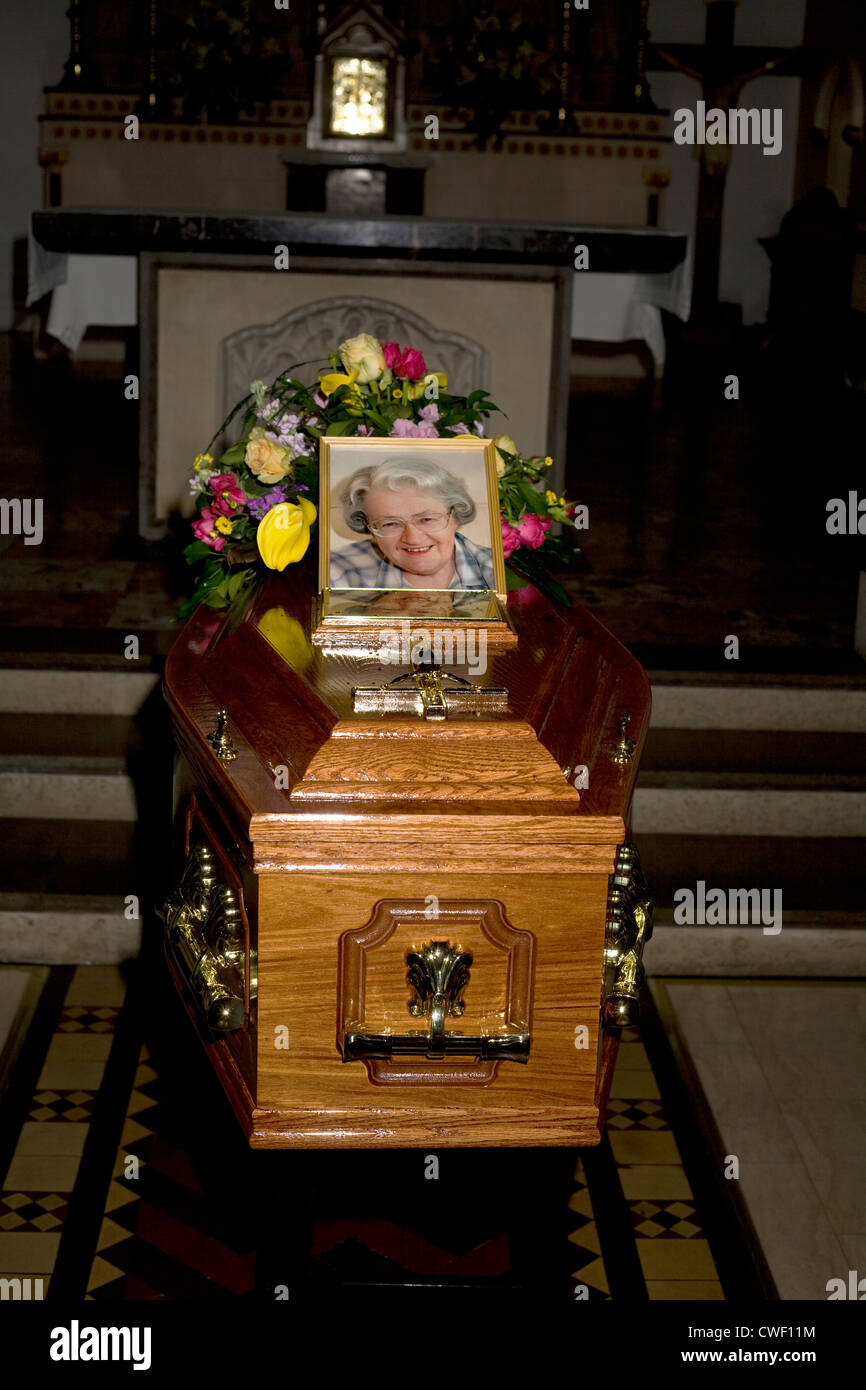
(438, 974)
(629, 926)
(204, 936)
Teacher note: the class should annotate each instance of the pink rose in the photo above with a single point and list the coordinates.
(410, 364)
(205, 529)
(510, 538)
(533, 529)
(228, 494)
(391, 352)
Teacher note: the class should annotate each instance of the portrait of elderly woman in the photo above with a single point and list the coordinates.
(410, 510)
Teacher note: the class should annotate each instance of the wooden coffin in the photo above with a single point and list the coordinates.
(397, 930)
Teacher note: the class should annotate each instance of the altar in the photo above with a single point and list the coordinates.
(226, 298)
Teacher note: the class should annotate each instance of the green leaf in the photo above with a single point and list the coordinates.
(530, 499)
(188, 608)
(195, 551)
(235, 454)
(339, 427)
(218, 596)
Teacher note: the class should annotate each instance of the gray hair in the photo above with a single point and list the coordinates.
(403, 470)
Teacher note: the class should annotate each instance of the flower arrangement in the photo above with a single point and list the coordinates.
(259, 503)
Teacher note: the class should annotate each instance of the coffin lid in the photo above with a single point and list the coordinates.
(304, 756)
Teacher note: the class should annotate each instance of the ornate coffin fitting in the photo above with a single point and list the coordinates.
(407, 910)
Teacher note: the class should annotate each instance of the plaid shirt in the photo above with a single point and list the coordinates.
(360, 566)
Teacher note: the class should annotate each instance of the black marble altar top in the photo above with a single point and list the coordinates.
(127, 231)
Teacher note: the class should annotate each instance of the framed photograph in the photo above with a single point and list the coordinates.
(409, 528)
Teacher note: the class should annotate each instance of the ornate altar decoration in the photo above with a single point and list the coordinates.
(227, 97)
(407, 909)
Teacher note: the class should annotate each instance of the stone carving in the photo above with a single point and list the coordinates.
(302, 339)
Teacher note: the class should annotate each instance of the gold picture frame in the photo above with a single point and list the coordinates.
(354, 607)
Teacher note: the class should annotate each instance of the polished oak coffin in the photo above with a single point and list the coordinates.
(393, 928)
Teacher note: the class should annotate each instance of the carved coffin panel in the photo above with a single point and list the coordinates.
(388, 992)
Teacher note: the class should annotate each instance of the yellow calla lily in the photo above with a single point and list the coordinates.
(332, 381)
(284, 533)
(287, 636)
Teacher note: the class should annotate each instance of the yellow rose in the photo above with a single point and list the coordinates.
(284, 533)
(269, 461)
(364, 355)
(503, 441)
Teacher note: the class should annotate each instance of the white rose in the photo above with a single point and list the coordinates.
(363, 352)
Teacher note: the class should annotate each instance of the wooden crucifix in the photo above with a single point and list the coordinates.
(722, 69)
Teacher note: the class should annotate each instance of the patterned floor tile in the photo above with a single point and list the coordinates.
(35, 1211)
(74, 1106)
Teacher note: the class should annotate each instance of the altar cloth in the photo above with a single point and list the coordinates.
(85, 291)
(102, 290)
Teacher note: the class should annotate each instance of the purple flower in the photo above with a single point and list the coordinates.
(430, 412)
(321, 401)
(459, 429)
(259, 506)
(405, 429)
(364, 430)
(296, 443)
(313, 420)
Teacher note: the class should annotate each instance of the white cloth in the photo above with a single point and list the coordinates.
(618, 308)
(103, 290)
(84, 290)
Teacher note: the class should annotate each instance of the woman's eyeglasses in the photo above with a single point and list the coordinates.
(390, 527)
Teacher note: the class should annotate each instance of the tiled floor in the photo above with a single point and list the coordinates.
(46, 1158)
(630, 1225)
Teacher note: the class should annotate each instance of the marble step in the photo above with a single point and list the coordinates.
(28, 691)
(748, 810)
(66, 929)
(810, 945)
(793, 707)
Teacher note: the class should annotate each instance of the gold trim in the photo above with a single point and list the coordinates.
(329, 598)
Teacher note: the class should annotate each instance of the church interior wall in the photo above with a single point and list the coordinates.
(38, 35)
